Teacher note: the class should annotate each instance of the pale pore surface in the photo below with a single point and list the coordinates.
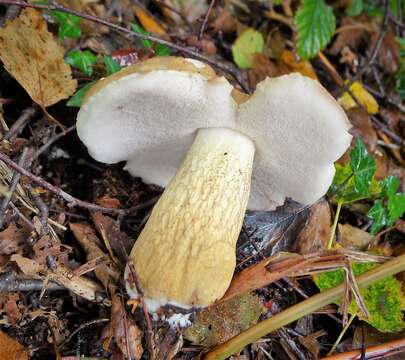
(186, 253)
(141, 112)
(299, 131)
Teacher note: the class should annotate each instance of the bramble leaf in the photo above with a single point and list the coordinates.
(378, 213)
(68, 25)
(384, 299)
(82, 60)
(249, 43)
(389, 186)
(363, 166)
(315, 23)
(396, 207)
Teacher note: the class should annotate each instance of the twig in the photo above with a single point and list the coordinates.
(372, 352)
(57, 191)
(13, 185)
(52, 140)
(10, 283)
(22, 216)
(20, 123)
(80, 328)
(377, 46)
(339, 338)
(54, 6)
(204, 23)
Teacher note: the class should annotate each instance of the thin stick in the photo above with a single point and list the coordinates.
(54, 6)
(51, 141)
(13, 185)
(57, 191)
(335, 222)
(332, 350)
(20, 123)
(204, 23)
(305, 307)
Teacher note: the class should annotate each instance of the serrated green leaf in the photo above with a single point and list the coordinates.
(68, 24)
(356, 8)
(363, 166)
(147, 44)
(384, 299)
(249, 43)
(77, 99)
(379, 214)
(315, 23)
(111, 66)
(82, 60)
(389, 186)
(396, 207)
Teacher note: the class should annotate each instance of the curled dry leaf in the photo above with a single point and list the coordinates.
(12, 239)
(32, 56)
(220, 322)
(107, 273)
(363, 127)
(11, 349)
(126, 333)
(48, 245)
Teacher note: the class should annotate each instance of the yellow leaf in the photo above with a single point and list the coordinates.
(148, 22)
(362, 96)
(302, 66)
(32, 56)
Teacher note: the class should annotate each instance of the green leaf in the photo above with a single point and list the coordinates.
(379, 214)
(363, 166)
(82, 60)
(396, 207)
(315, 24)
(147, 44)
(384, 299)
(162, 50)
(248, 43)
(68, 25)
(356, 8)
(77, 99)
(111, 65)
(389, 186)
(343, 187)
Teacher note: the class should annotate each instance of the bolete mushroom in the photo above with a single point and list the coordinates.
(179, 125)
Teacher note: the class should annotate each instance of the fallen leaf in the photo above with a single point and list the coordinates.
(297, 65)
(220, 322)
(85, 235)
(13, 312)
(362, 126)
(28, 266)
(116, 241)
(190, 9)
(32, 56)
(10, 349)
(49, 245)
(12, 239)
(315, 233)
(263, 67)
(147, 21)
(362, 96)
(248, 43)
(352, 237)
(351, 36)
(388, 55)
(126, 333)
(224, 21)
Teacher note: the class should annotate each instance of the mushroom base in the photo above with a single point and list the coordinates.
(185, 255)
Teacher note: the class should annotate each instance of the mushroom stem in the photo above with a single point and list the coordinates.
(185, 255)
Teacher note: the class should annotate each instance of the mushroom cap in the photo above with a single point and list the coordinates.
(147, 115)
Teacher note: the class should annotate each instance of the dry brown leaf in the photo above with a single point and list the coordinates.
(28, 266)
(87, 238)
(13, 312)
(32, 56)
(48, 245)
(12, 239)
(350, 35)
(388, 55)
(315, 234)
(126, 333)
(10, 349)
(363, 127)
(352, 237)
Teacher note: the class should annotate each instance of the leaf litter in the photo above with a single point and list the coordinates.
(278, 252)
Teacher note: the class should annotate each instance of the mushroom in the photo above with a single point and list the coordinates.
(217, 152)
